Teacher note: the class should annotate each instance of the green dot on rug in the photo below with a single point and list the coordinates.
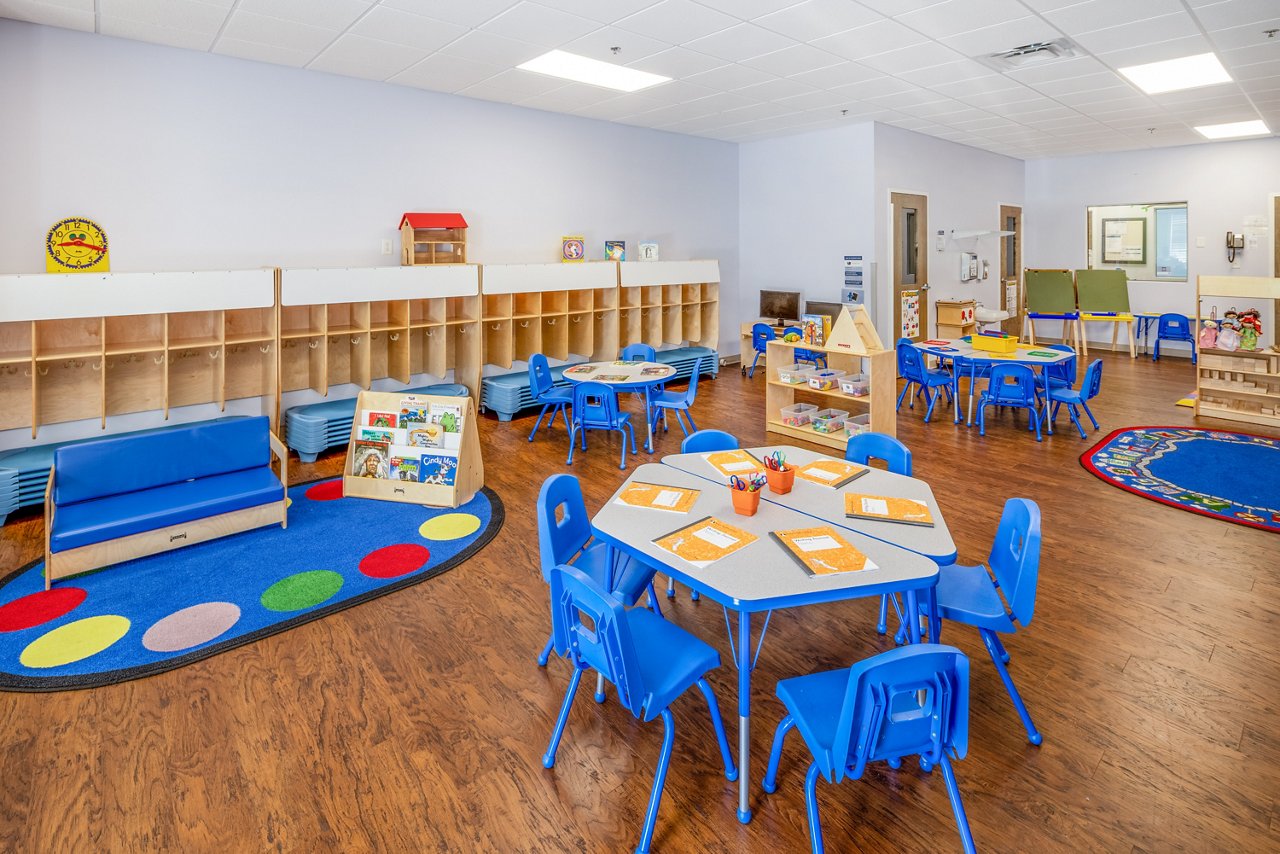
(302, 590)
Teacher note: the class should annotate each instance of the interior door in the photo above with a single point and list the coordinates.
(910, 265)
(1011, 267)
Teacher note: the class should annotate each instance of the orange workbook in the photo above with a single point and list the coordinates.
(674, 499)
(739, 462)
(823, 551)
(705, 541)
(831, 472)
(882, 508)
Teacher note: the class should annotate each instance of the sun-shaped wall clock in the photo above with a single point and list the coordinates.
(76, 245)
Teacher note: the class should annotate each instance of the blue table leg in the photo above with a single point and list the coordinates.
(648, 421)
(935, 618)
(744, 715)
(912, 607)
(973, 379)
(1044, 374)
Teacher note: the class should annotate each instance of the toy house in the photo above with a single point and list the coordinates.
(433, 238)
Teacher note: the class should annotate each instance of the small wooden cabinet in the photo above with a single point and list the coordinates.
(560, 310)
(880, 366)
(1239, 385)
(955, 318)
(669, 302)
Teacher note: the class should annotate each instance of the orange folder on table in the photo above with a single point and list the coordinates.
(882, 508)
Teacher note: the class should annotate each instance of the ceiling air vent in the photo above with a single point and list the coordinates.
(1028, 55)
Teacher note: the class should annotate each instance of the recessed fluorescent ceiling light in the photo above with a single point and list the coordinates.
(1189, 72)
(570, 66)
(1233, 129)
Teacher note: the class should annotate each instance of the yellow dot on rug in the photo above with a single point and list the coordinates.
(74, 641)
(450, 526)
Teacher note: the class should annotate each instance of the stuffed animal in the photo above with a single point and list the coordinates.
(1248, 334)
(1209, 335)
(1228, 337)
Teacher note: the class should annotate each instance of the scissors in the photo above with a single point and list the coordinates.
(752, 485)
(777, 461)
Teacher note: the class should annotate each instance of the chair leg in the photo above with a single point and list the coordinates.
(693, 428)
(932, 400)
(653, 601)
(599, 695)
(903, 394)
(1089, 412)
(545, 656)
(1075, 419)
(882, 623)
(693, 596)
(1035, 422)
(982, 419)
(770, 783)
(549, 758)
(671, 588)
(957, 806)
(573, 435)
(1004, 655)
(1033, 735)
(811, 806)
(730, 770)
(538, 423)
(659, 780)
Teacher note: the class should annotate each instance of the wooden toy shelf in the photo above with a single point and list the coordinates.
(82, 346)
(1239, 385)
(408, 321)
(556, 309)
(880, 366)
(669, 302)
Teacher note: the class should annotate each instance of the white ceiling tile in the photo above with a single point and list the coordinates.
(872, 88)
(748, 10)
(729, 77)
(840, 74)
(793, 61)
(721, 101)
(627, 104)
(978, 86)
(472, 13)
(325, 14)
(817, 18)
(958, 16)
(1257, 71)
(276, 32)
(566, 99)
(949, 72)
(78, 17)
(1088, 82)
(485, 47)
(405, 28)
(538, 25)
(1237, 13)
(262, 52)
(512, 85)
(442, 73)
(679, 90)
(604, 11)
(896, 7)
(677, 21)
(1080, 100)
(674, 113)
(1159, 29)
(677, 62)
(358, 56)
(910, 98)
(777, 89)
(1001, 99)
(142, 31)
(1249, 55)
(1140, 54)
(939, 110)
(740, 42)
(171, 14)
(1001, 37)
(599, 44)
(1246, 36)
(814, 99)
(862, 42)
(908, 58)
(1097, 14)
(1056, 70)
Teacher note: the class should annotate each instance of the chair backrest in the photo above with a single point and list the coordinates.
(563, 524)
(761, 335)
(1066, 369)
(1175, 327)
(595, 405)
(866, 446)
(639, 352)
(603, 641)
(1012, 384)
(540, 378)
(691, 393)
(1092, 382)
(909, 700)
(1015, 556)
(709, 440)
(910, 364)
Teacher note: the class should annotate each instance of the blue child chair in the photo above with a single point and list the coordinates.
(595, 407)
(861, 449)
(1010, 385)
(913, 700)
(564, 536)
(662, 402)
(912, 368)
(808, 357)
(649, 660)
(1061, 374)
(638, 353)
(1173, 327)
(706, 441)
(543, 390)
(969, 594)
(1073, 398)
(761, 335)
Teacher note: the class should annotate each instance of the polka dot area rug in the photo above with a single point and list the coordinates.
(150, 615)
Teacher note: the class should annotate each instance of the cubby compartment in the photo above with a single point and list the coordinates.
(15, 342)
(68, 390)
(194, 375)
(652, 296)
(580, 334)
(630, 328)
(526, 338)
(301, 321)
(250, 370)
(527, 305)
(604, 335)
(389, 354)
(195, 329)
(348, 356)
(555, 302)
(630, 297)
(136, 381)
(651, 326)
(605, 298)
(388, 314)
(462, 351)
(134, 333)
(497, 343)
(347, 317)
(69, 338)
(497, 306)
(302, 364)
(426, 312)
(671, 295)
(672, 329)
(462, 309)
(580, 301)
(244, 325)
(15, 395)
(691, 322)
(555, 336)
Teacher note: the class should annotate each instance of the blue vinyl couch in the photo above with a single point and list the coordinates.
(118, 499)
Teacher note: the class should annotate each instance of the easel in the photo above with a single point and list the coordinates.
(1051, 295)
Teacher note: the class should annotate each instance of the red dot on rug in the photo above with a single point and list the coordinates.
(330, 490)
(39, 608)
(393, 561)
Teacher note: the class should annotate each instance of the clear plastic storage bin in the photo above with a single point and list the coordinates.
(794, 374)
(825, 380)
(855, 384)
(829, 420)
(857, 424)
(798, 415)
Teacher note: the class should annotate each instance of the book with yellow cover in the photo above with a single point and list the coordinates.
(882, 508)
(705, 541)
(675, 499)
(831, 472)
(739, 462)
(823, 551)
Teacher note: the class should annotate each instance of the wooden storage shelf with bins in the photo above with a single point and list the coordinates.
(880, 366)
(560, 310)
(87, 346)
(1239, 385)
(669, 302)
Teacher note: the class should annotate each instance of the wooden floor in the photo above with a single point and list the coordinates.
(415, 722)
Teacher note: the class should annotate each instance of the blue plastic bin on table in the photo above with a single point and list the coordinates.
(313, 428)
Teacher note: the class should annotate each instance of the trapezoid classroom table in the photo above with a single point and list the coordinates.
(759, 577)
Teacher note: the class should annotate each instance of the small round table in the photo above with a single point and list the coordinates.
(625, 375)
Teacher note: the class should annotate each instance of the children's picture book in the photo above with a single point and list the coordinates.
(615, 250)
(627, 363)
(705, 541)
(881, 508)
(404, 468)
(648, 252)
(424, 434)
(1047, 354)
(412, 409)
(438, 469)
(655, 371)
(613, 378)
(813, 328)
(369, 459)
(377, 434)
(448, 416)
(831, 472)
(738, 462)
(937, 342)
(573, 248)
(581, 370)
(822, 551)
(675, 499)
(374, 418)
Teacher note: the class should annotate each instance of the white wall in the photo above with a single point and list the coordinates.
(196, 161)
(966, 187)
(1222, 184)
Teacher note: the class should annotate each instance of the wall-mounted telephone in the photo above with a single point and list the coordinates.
(968, 266)
(1235, 242)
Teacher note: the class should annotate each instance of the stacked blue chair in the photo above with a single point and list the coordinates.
(595, 407)
(313, 428)
(1174, 327)
(1074, 398)
(861, 449)
(912, 368)
(808, 357)
(909, 701)
(680, 403)
(545, 391)
(649, 660)
(1010, 385)
(761, 335)
(685, 359)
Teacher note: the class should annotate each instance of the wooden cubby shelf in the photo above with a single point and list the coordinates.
(669, 302)
(560, 310)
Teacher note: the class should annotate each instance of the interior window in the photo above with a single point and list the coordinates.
(1148, 240)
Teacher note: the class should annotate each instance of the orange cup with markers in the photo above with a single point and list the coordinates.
(746, 494)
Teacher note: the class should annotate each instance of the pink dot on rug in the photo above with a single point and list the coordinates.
(330, 490)
(191, 626)
(39, 608)
(394, 561)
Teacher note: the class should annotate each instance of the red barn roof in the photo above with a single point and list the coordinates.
(433, 220)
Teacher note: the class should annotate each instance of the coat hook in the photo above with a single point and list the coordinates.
(395, 336)
(313, 344)
(551, 321)
(497, 327)
(524, 324)
(97, 366)
(44, 372)
(264, 348)
(159, 360)
(213, 354)
(430, 332)
(577, 319)
(599, 317)
(79, 363)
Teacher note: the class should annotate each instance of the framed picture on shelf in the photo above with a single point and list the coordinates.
(573, 248)
(648, 252)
